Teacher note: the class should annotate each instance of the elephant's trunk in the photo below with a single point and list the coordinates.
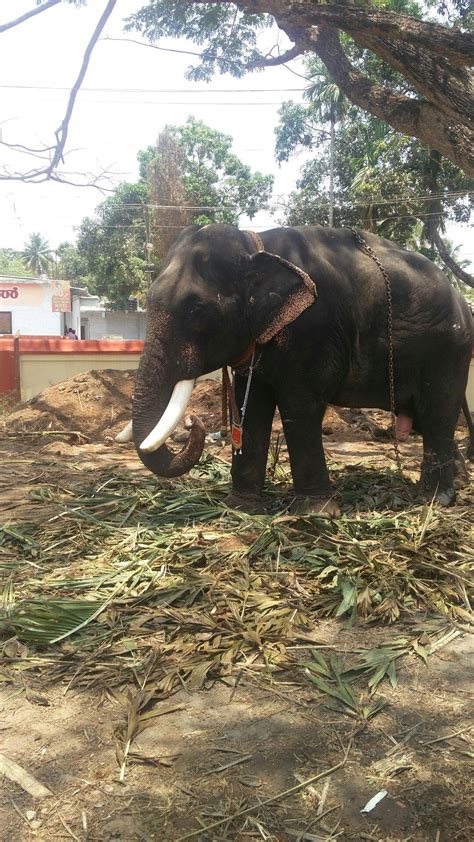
(158, 406)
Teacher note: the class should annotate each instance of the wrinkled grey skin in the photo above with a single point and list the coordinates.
(215, 295)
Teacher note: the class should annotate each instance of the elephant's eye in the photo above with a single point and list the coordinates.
(200, 315)
(194, 305)
(201, 264)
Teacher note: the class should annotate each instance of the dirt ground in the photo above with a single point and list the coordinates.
(207, 766)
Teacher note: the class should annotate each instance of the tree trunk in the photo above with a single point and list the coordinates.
(433, 59)
(331, 169)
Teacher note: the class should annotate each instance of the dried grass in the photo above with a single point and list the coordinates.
(149, 586)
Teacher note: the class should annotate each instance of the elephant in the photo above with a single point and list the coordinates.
(310, 306)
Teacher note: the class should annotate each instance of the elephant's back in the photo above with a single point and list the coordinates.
(338, 264)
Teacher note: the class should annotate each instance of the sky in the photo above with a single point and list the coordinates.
(129, 94)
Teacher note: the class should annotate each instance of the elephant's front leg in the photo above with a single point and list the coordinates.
(302, 421)
(249, 466)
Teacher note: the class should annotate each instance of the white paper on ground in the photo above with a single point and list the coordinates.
(374, 801)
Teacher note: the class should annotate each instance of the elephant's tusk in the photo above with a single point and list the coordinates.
(171, 417)
(126, 434)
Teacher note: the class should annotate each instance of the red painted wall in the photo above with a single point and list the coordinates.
(53, 345)
(7, 366)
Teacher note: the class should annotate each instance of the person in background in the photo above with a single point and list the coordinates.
(71, 334)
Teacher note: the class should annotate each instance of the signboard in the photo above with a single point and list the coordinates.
(14, 295)
(60, 297)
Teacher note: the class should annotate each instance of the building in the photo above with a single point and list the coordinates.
(97, 322)
(46, 307)
(26, 307)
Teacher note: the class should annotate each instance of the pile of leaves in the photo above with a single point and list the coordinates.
(139, 582)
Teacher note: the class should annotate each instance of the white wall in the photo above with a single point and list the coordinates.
(110, 323)
(35, 321)
(73, 319)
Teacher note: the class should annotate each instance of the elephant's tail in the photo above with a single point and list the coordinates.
(470, 427)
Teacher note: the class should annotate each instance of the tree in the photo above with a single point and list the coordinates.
(37, 255)
(434, 102)
(386, 182)
(11, 263)
(215, 183)
(70, 266)
(191, 175)
(162, 166)
(300, 125)
(112, 245)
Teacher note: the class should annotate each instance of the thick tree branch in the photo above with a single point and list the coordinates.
(450, 88)
(410, 116)
(448, 85)
(273, 61)
(456, 46)
(36, 11)
(430, 57)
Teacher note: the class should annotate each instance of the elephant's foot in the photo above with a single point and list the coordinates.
(316, 505)
(437, 478)
(252, 504)
(442, 496)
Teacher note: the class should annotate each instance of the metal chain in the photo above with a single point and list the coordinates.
(247, 389)
(391, 368)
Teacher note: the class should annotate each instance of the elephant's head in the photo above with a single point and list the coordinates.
(215, 296)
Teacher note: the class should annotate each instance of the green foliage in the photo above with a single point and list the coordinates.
(210, 179)
(37, 255)
(382, 179)
(71, 265)
(11, 263)
(112, 245)
(215, 180)
(227, 36)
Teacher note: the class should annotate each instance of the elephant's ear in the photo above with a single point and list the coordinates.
(278, 293)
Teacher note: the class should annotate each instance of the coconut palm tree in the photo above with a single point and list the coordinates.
(331, 106)
(37, 255)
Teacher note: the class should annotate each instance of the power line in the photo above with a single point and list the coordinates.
(275, 204)
(187, 104)
(259, 227)
(156, 90)
(282, 205)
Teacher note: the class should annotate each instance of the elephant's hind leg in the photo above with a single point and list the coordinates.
(438, 411)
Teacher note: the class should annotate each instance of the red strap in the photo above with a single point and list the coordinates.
(231, 394)
(245, 358)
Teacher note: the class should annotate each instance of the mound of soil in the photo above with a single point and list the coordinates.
(98, 404)
(94, 403)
